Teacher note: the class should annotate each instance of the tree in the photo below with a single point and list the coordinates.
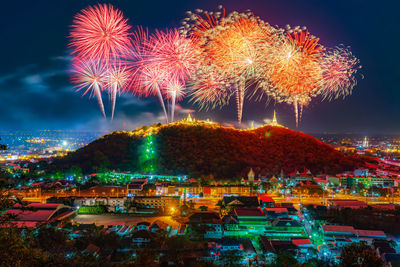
(52, 240)
(361, 255)
(2, 146)
(232, 258)
(285, 259)
(203, 208)
(16, 249)
(145, 257)
(3, 174)
(191, 204)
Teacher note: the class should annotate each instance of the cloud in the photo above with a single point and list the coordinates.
(122, 122)
(180, 109)
(41, 96)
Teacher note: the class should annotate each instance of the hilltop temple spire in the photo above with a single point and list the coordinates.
(274, 120)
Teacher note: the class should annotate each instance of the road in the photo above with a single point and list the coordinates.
(106, 219)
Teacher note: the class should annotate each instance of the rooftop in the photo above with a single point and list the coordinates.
(301, 241)
(338, 228)
(249, 212)
(244, 201)
(370, 233)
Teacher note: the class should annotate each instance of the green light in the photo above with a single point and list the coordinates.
(148, 156)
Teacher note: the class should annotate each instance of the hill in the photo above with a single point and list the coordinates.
(200, 148)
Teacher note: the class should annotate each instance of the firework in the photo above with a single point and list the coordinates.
(235, 47)
(295, 69)
(147, 78)
(175, 91)
(117, 78)
(339, 67)
(100, 32)
(152, 80)
(208, 90)
(90, 76)
(175, 57)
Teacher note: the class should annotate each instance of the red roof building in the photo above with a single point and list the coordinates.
(34, 213)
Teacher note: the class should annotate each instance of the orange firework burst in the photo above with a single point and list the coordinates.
(209, 91)
(232, 47)
(295, 69)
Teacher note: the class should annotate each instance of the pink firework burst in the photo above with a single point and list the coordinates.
(174, 54)
(100, 32)
(339, 67)
(176, 57)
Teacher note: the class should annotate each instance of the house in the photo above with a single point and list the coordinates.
(285, 229)
(209, 220)
(142, 226)
(303, 244)
(229, 244)
(181, 229)
(271, 248)
(337, 233)
(304, 247)
(158, 225)
(266, 202)
(252, 219)
(114, 204)
(156, 202)
(248, 249)
(344, 203)
(289, 206)
(135, 187)
(229, 203)
(370, 234)
(37, 213)
(92, 250)
(232, 226)
(274, 213)
(383, 247)
(142, 238)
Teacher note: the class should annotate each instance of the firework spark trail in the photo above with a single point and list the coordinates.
(152, 80)
(146, 77)
(90, 75)
(100, 32)
(339, 67)
(117, 78)
(174, 56)
(175, 91)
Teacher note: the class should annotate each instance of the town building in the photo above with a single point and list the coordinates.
(37, 213)
(157, 202)
(208, 220)
(344, 203)
(252, 219)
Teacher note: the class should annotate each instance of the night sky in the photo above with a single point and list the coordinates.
(35, 91)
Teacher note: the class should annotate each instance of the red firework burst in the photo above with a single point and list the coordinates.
(100, 32)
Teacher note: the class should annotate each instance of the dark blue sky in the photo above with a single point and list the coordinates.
(35, 91)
